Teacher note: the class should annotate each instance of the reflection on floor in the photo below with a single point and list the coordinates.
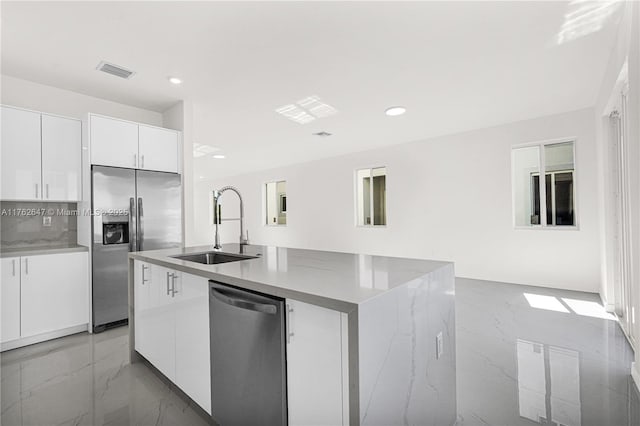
(526, 356)
(531, 356)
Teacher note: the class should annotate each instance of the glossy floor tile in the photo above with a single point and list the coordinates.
(524, 355)
(86, 380)
(530, 355)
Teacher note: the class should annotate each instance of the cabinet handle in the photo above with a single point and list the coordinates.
(142, 161)
(26, 266)
(144, 280)
(173, 285)
(290, 333)
(36, 190)
(13, 265)
(168, 277)
(46, 186)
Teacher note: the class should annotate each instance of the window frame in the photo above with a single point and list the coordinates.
(265, 203)
(543, 192)
(357, 201)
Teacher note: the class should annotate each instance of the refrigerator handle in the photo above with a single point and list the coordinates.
(132, 224)
(140, 224)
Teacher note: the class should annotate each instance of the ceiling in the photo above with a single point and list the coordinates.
(456, 66)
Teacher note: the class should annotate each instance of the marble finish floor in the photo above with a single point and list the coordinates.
(524, 355)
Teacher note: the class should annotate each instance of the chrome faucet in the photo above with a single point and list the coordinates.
(218, 219)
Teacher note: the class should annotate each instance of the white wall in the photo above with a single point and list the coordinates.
(39, 97)
(447, 198)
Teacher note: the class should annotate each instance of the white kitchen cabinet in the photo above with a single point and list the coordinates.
(61, 158)
(142, 304)
(114, 142)
(155, 316)
(317, 381)
(193, 363)
(54, 292)
(10, 299)
(158, 149)
(172, 327)
(21, 163)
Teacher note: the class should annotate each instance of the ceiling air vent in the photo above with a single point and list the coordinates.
(116, 70)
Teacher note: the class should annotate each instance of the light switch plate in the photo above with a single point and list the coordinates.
(439, 345)
(46, 220)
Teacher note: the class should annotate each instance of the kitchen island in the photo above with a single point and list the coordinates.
(370, 339)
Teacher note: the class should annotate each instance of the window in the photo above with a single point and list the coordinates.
(276, 203)
(371, 196)
(556, 197)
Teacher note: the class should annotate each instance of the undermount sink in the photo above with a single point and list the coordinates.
(213, 257)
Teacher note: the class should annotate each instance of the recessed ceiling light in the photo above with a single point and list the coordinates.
(395, 110)
(219, 156)
(175, 80)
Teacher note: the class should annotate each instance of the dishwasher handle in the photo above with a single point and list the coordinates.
(230, 298)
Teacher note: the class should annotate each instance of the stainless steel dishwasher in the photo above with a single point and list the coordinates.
(248, 366)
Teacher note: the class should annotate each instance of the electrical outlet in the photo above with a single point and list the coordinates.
(46, 220)
(439, 345)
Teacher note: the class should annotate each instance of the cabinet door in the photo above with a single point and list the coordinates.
(158, 149)
(10, 299)
(315, 358)
(61, 158)
(159, 342)
(142, 302)
(54, 292)
(193, 374)
(21, 164)
(114, 142)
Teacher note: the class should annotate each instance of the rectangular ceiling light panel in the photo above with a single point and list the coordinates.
(306, 110)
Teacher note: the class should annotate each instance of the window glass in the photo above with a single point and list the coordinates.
(551, 204)
(559, 170)
(371, 188)
(276, 203)
(526, 185)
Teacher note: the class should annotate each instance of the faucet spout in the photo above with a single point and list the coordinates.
(218, 216)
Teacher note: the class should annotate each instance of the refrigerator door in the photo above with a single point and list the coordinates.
(114, 229)
(159, 208)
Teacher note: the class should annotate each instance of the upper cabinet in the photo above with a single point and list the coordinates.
(114, 142)
(21, 164)
(158, 149)
(120, 143)
(41, 156)
(61, 158)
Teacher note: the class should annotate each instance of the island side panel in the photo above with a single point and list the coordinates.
(402, 378)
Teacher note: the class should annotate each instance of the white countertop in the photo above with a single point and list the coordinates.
(40, 250)
(339, 281)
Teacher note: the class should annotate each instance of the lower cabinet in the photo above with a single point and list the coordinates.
(43, 294)
(10, 299)
(172, 333)
(172, 327)
(317, 369)
(54, 292)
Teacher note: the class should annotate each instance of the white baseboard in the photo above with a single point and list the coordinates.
(26, 341)
(635, 374)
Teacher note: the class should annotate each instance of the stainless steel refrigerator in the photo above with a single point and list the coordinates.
(133, 210)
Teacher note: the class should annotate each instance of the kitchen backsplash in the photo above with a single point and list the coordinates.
(33, 224)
